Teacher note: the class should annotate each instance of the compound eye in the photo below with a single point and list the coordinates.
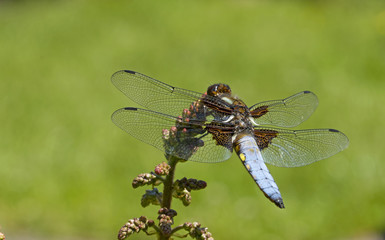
(213, 90)
(218, 89)
(224, 88)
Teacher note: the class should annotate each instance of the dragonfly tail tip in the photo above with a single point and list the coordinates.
(279, 203)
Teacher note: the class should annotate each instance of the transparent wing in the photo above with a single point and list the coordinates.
(186, 140)
(285, 148)
(153, 94)
(288, 112)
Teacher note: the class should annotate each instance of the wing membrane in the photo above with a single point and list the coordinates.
(286, 148)
(149, 127)
(153, 94)
(288, 112)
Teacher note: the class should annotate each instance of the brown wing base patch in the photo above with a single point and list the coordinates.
(264, 137)
(259, 111)
(221, 136)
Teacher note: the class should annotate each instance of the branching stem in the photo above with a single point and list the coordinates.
(177, 228)
(158, 177)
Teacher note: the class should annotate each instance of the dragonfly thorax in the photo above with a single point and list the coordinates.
(241, 116)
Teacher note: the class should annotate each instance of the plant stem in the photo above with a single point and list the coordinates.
(167, 189)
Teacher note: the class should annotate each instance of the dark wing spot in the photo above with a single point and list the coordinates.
(333, 130)
(306, 92)
(264, 137)
(130, 108)
(129, 71)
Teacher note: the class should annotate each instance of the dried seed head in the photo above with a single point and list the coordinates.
(195, 231)
(144, 179)
(162, 168)
(134, 225)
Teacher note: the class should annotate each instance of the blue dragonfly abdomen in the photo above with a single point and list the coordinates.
(247, 149)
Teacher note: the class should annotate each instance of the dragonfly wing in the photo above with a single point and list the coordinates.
(186, 140)
(287, 148)
(288, 112)
(153, 94)
(211, 152)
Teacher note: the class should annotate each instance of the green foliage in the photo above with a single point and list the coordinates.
(66, 169)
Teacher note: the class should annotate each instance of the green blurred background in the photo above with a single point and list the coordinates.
(66, 170)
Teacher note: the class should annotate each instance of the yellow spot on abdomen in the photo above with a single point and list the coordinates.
(248, 166)
(242, 157)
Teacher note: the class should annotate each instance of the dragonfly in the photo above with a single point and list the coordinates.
(208, 127)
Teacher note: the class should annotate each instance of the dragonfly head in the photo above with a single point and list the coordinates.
(218, 90)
